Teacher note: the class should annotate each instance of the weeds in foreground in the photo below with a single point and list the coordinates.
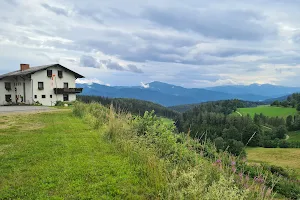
(174, 164)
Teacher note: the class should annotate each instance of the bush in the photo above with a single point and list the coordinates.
(283, 144)
(59, 103)
(270, 144)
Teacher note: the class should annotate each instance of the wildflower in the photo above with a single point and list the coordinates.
(233, 163)
(241, 175)
(247, 177)
(218, 161)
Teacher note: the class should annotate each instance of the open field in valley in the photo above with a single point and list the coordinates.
(268, 111)
(288, 158)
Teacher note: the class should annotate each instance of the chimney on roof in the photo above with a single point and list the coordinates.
(24, 67)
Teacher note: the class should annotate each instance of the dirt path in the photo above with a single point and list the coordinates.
(239, 113)
(13, 110)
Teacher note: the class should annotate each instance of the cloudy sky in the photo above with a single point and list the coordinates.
(192, 43)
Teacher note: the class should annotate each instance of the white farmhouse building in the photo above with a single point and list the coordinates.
(44, 84)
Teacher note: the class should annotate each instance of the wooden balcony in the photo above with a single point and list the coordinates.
(67, 90)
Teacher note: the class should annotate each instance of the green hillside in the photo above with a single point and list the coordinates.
(57, 156)
(97, 153)
(270, 111)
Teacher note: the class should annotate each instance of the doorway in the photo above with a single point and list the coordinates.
(66, 97)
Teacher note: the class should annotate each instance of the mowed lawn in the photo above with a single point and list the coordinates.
(270, 111)
(57, 156)
(288, 158)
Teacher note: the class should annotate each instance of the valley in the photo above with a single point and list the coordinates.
(208, 138)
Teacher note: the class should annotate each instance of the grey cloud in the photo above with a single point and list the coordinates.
(89, 61)
(56, 10)
(113, 65)
(134, 68)
(237, 51)
(226, 24)
(92, 13)
(174, 41)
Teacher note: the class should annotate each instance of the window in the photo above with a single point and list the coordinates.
(7, 85)
(66, 85)
(66, 97)
(40, 85)
(43, 96)
(8, 98)
(35, 96)
(51, 96)
(49, 73)
(60, 73)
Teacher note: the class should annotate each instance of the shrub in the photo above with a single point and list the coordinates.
(79, 109)
(283, 144)
(270, 144)
(59, 103)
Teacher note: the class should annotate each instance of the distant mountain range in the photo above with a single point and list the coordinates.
(171, 95)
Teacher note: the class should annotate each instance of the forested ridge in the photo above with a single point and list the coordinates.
(225, 106)
(218, 122)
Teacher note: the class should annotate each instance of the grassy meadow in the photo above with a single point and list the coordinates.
(58, 156)
(287, 158)
(270, 111)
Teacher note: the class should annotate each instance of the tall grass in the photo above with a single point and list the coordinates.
(174, 165)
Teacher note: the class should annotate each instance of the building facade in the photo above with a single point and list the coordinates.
(43, 84)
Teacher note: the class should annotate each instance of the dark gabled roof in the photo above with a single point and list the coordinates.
(32, 70)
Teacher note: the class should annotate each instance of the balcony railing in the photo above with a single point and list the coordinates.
(67, 90)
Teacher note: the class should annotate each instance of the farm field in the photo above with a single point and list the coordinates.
(58, 156)
(268, 111)
(288, 158)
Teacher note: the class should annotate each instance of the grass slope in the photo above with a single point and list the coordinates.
(57, 156)
(268, 111)
(294, 136)
(288, 158)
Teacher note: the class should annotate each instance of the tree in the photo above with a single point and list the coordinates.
(289, 121)
(275, 103)
(232, 133)
(251, 132)
(285, 103)
(298, 107)
(219, 142)
(293, 103)
(235, 147)
(281, 131)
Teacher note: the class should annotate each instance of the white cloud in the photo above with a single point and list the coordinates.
(89, 81)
